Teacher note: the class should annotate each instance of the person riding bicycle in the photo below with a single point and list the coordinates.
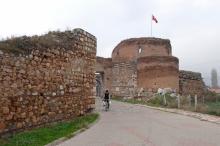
(106, 98)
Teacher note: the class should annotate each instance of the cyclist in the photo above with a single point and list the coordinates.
(106, 98)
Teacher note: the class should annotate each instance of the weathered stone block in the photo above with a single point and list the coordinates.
(2, 126)
(9, 117)
(5, 110)
(19, 125)
(23, 115)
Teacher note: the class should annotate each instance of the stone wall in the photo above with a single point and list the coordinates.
(46, 78)
(146, 64)
(140, 64)
(120, 78)
(191, 83)
(131, 49)
(155, 66)
(124, 79)
(104, 67)
(158, 72)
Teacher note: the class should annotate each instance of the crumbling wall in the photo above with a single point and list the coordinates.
(134, 48)
(146, 64)
(46, 78)
(191, 83)
(104, 67)
(153, 65)
(124, 79)
(158, 72)
(120, 78)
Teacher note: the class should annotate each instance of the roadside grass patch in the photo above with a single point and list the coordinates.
(213, 108)
(44, 135)
(210, 107)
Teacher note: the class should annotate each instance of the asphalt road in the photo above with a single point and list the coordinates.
(131, 125)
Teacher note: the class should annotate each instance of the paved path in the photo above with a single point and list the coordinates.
(131, 125)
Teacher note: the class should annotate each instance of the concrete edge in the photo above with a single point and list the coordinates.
(200, 116)
(62, 139)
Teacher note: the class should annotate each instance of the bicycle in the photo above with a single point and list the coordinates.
(106, 104)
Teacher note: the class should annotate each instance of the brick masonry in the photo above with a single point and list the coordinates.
(158, 72)
(146, 64)
(46, 78)
(124, 79)
(191, 83)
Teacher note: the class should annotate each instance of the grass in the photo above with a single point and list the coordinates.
(157, 101)
(211, 107)
(25, 44)
(45, 135)
(132, 100)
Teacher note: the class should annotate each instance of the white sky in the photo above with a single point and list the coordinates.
(191, 25)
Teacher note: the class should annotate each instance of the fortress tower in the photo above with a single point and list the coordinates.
(154, 65)
(145, 64)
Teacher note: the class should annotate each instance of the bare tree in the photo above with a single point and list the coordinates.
(214, 78)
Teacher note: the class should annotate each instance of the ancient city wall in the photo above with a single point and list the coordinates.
(104, 67)
(120, 78)
(191, 83)
(143, 63)
(131, 49)
(146, 64)
(158, 72)
(124, 79)
(46, 78)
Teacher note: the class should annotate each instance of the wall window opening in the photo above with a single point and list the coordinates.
(140, 50)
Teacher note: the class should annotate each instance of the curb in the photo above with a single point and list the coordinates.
(200, 116)
(62, 139)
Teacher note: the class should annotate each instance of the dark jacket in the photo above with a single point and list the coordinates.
(106, 96)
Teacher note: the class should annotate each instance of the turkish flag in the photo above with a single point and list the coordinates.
(154, 19)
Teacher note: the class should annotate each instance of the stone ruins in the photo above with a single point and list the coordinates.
(52, 77)
(46, 78)
(145, 65)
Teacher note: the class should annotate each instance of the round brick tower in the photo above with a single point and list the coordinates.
(155, 65)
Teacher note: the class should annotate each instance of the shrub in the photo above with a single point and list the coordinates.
(212, 96)
(201, 108)
(157, 100)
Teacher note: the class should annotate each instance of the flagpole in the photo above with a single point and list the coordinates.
(151, 26)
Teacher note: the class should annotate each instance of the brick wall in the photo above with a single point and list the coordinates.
(146, 64)
(158, 72)
(104, 67)
(46, 78)
(131, 49)
(124, 79)
(191, 83)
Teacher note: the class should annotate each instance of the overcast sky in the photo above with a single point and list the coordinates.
(191, 25)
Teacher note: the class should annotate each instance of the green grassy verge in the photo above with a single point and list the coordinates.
(212, 108)
(132, 101)
(45, 135)
(136, 101)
